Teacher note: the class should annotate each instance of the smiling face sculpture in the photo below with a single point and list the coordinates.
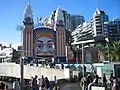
(44, 44)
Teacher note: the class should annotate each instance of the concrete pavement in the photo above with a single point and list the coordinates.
(70, 86)
(63, 86)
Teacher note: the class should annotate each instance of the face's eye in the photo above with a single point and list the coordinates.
(40, 45)
(49, 45)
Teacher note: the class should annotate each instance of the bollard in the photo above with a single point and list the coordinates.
(55, 88)
(55, 79)
(58, 88)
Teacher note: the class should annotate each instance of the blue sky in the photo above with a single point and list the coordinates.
(11, 12)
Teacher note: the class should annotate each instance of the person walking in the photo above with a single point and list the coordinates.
(2, 86)
(114, 85)
(6, 87)
(34, 83)
(111, 80)
(42, 83)
(16, 85)
(30, 83)
(47, 85)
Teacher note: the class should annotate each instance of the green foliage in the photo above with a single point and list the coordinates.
(114, 51)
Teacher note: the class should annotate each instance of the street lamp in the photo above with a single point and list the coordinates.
(22, 69)
(107, 39)
(19, 28)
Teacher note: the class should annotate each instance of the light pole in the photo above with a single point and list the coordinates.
(108, 49)
(19, 28)
(83, 66)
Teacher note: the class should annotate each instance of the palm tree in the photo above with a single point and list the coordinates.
(100, 49)
(114, 51)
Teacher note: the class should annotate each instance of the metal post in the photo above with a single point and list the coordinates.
(108, 54)
(22, 73)
(77, 56)
(83, 65)
(22, 64)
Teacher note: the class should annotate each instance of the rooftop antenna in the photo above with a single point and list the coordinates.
(96, 6)
(59, 6)
(28, 1)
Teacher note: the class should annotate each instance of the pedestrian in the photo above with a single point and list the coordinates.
(34, 83)
(6, 88)
(111, 80)
(39, 83)
(30, 83)
(47, 84)
(96, 80)
(16, 85)
(105, 81)
(42, 83)
(114, 85)
(2, 86)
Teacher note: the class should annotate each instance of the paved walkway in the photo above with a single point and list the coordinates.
(63, 86)
(70, 86)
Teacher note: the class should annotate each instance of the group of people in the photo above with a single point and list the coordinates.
(39, 83)
(90, 80)
(3, 86)
(35, 83)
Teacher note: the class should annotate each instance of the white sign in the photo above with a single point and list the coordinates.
(97, 88)
(99, 71)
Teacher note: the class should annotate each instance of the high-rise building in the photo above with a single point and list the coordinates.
(114, 30)
(28, 25)
(98, 22)
(96, 27)
(76, 20)
(71, 21)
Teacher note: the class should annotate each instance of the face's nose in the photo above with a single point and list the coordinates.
(45, 49)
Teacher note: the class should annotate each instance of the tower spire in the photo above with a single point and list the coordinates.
(28, 11)
(28, 16)
(59, 19)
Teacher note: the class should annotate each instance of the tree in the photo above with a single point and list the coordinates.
(100, 49)
(114, 51)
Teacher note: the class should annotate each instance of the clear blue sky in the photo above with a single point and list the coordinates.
(11, 12)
